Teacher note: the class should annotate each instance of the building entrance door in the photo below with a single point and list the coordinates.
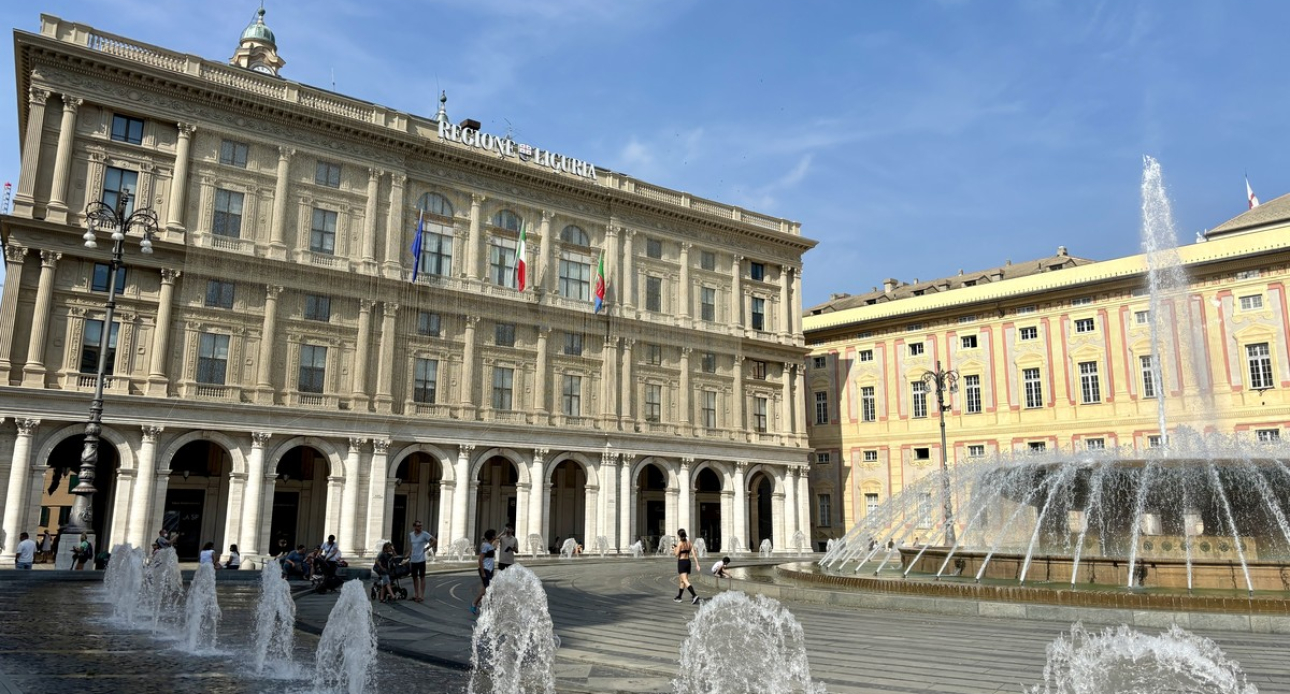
(183, 515)
(282, 525)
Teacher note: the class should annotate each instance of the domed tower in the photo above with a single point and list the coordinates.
(258, 50)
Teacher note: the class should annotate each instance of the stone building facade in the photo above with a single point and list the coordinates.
(276, 374)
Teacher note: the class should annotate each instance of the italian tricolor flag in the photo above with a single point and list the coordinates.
(521, 266)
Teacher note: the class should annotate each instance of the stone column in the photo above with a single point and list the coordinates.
(33, 373)
(24, 197)
(476, 237)
(57, 210)
(158, 382)
(540, 492)
(369, 218)
(14, 256)
(348, 538)
(686, 309)
(443, 534)
(140, 530)
(542, 376)
(377, 476)
(179, 184)
(805, 504)
(799, 402)
(737, 293)
(277, 245)
(459, 497)
(523, 496)
(254, 501)
(15, 504)
(683, 502)
(727, 519)
(609, 367)
(625, 387)
(609, 496)
(264, 394)
(741, 427)
(549, 269)
(741, 504)
(628, 279)
(332, 514)
(786, 403)
(625, 505)
(233, 513)
(785, 308)
(361, 356)
(790, 509)
(468, 371)
(394, 228)
(795, 305)
(779, 541)
(685, 391)
(385, 369)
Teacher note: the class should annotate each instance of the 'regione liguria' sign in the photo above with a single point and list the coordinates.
(506, 147)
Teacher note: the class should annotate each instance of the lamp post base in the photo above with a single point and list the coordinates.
(63, 561)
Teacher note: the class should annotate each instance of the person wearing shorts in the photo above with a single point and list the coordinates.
(487, 559)
(419, 541)
(506, 546)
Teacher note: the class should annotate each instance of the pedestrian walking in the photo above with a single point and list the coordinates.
(383, 566)
(487, 560)
(83, 552)
(419, 543)
(234, 558)
(46, 547)
(26, 554)
(682, 551)
(507, 544)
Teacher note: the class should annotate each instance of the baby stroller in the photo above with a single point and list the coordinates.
(398, 569)
(327, 576)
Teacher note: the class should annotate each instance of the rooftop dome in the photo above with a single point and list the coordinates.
(257, 30)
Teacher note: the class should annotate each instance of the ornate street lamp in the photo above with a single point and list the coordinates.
(101, 216)
(941, 382)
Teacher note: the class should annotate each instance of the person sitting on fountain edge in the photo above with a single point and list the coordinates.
(293, 564)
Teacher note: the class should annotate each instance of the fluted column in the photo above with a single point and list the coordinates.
(253, 501)
(443, 533)
(476, 236)
(741, 426)
(14, 255)
(377, 475)
(805, 504)
(683, 510)
(57, 210)
(799, 401)
(795, 304)
(737, 292)
(609, 367)
(362, 355)
(537, 503)
(24, 197)
(609, 497)
(628, 279)
(727, 519)
(158, 382)
(15, 504)
(277, 245)
(385, 369)
(785, 309)
(468, 370)
(786, 403)
(686, 309)
(779, 540)
(625, 505)
(542, 376)
(741, 504)
(141, 528)
(349, 499)
(33, 373)
(790, 509)
(264, 369)
(459, 498)
(625, 387)
(685, 390)
(369, 217)
(549, 269)
(394, 228)
(179, 184)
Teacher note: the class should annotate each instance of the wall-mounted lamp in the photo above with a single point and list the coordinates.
(398, 482)
(187, 473)
(285, 477)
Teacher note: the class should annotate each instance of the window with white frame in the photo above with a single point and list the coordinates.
(118, 182)
(925, 507)
(322, 232)
(574, 235)
(823, 458)
(1154, 441)
(919, 391)
(866, 355)
(1026, 310)
(1095, 444)
(227, 219)
(759, 369)
(501, 261)
(710, 409)
(821, 407)
(1147, 363)
(1142, 317)
(976, 450)
(311, 378)
(967, 342)
(575, 276)
(1090, 387)
(653, 402)
(825, 510)
(870, 503)
(1085, 325)
(212, 359)
(436, 250)
(871, 456)
(1037, 446)
(972, 393)
(1268, 435)
(425, 380)
(1259, 358)
(759, 414)
(819, 362)
(1251, 302)
(1030, 332)
(572, 398)
(1082, 301)
(916, 348)
(503, 387)
(1034, 387)
(868, 404)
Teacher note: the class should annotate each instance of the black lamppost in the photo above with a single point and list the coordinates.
(942, 382)
(101, 216)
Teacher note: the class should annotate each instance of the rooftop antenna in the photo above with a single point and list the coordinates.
(8, 196)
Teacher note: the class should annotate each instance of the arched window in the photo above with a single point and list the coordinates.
(505, 219)
(574, 234)
(434, 203)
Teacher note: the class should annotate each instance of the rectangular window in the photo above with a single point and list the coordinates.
(920, 399)
(44, 516)
(968, 318)
(913, 327)
(228, 214)
(1037, 446)
(572, 402)
(118, 182)
(821, 407)
(504, 334)
(1141, 317)
(313, 368)
(318, 307)
(759, 414)
(653, 403)
(866, 355)
(868, 404)
(653, 293)
(823, 458)
(1268, 435)
(1259, 358)
(436, 253)
(575, 279)
(212, 358)
(322, 232)
(327, 174)
(573, 344)
(707, 303)
(871, 456)
(1251, 302)
(759, 369)
(428, 323)
(819, 362)
(1085, 325)
(707, 260)
(501, 262)
(425, 380)
(654, 354)
(653, 248)
(1097, 444)
(103, 274)
(1025, 310)
(503, 387)
(976, 450)
(127, 129)
(968, 341)
(1082, 301)
(1248, 274)
(708, 363)
(710, 409)
(1090, 388)
(90, 348)
(233, 153)
(757, 271)
(758, 313)
(825, 511)
(1148, 376)
(870, 503)
(972, 393)
(1030, 332)
(916, 348)
(219, 294)
(1153, 441)
(1034, 388)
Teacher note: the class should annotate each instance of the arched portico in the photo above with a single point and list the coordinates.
(428, 491)
(48, 498)
(713, 495)
(653, 496)
(197, 492)
(765, 508)
(497, 478)
(302, 488)
(572, 489)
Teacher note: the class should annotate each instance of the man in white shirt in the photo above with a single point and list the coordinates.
(330, 552)
(419, 541)
(506, 546)
(26, 555)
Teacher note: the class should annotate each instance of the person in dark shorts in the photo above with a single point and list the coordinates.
(419, 543)
(487, 560)
(683, 551)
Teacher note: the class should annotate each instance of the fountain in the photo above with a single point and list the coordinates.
(568, 548)
(161, 593)
(637, 549)
(603, 545)
(462, 549)
(514, 643)
(122, 579)
(742, 644)
(537, 545)
(666, 544)
(737, 546)
(700, 548)
(1123, 660)
(799, 542)
(765, 549)
(348, 644)
(275, 623)
(201, 612)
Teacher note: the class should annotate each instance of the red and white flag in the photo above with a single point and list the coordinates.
(1249, 194)
(521, 265)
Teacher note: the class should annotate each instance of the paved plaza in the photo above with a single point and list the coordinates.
(620, 631)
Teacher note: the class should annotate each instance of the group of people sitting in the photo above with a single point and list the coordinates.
(307, 564)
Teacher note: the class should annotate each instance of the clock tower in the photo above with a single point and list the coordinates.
(258, 50)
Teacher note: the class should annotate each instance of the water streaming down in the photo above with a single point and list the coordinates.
(275, 625)
(568, 548)
(514, 642)
(700, 547)
(462, 549)
(201, 612)
(537, 546)
(765, 548)
(741, 644)
(160, 596)
(348, 644)
(666, 544)
(122, 579)
(603, 545)
(799, 542)
(637, 549)
(1123, 660)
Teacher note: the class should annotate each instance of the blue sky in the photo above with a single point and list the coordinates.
(911, 139)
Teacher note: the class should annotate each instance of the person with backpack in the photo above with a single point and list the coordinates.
(83, 552)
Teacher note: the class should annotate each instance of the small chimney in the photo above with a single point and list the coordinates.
(470, 123)
(889, 284)
(1061, 250)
